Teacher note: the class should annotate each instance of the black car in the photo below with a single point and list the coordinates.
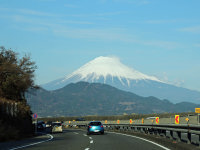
(80, 119)
(41, 125)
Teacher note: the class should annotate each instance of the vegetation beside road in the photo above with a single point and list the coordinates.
(16, 77)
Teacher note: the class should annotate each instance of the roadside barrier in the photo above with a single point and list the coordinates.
(175, 131)
(172, 131)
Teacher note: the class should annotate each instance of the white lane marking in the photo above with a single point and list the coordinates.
(165, 148)
(84, 134)
(87, 148)
(76, 133)
(91, 141)
(51, 137)
(90, 138)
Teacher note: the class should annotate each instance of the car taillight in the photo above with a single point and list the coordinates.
(90, 127)
(101, 126)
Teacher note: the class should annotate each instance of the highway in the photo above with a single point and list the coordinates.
(79, 140)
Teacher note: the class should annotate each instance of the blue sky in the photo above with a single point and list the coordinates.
(155, 37)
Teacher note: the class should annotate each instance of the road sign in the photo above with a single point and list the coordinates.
(35, 116)
(157, 120)
(131, 121)
(176, 119)
(106, 121)
(187, 119)
(142, 120)
(118, 121)
(197, 110)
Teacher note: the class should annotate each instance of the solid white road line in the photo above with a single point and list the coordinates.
(51, 137)
(165, 148)
(87, 148)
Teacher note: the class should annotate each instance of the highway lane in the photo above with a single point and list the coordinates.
(78, 140)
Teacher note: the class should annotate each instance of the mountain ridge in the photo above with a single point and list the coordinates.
(83, 98)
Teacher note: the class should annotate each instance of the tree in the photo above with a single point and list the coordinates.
(16, 75)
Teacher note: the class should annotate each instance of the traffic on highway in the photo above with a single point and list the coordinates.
(60, 136)
(79, 140)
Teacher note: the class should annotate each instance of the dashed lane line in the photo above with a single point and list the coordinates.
(76, 133)
(91, 142)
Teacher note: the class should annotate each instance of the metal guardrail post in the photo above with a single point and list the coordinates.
(179, 136)
(171, 134)
(189, 137)
(142, 130)
(199, 140)
(160, 132)
(121, 128)
(164, 133)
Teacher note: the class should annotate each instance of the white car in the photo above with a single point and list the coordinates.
(56, 127)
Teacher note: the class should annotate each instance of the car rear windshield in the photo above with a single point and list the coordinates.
(56, 124)
(95, 123)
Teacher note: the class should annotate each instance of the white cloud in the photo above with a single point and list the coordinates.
(177, 82)
(195, 29)
(197, 45)
(60, 27)
(162, 21)
(36, 13)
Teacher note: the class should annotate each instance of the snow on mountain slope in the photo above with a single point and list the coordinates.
(108, 67)
(110, 70)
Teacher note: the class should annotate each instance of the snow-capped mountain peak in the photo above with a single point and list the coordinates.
(108, 67)
(111, 71)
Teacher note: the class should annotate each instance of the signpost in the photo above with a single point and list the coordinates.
(157, 120)
(130, 121)
(187, 119)
(197, 110)
(177, 119)
(35, 117)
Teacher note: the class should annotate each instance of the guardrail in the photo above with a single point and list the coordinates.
(171, 131)
(175, 131)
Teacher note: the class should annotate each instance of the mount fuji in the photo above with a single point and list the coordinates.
(109, 70)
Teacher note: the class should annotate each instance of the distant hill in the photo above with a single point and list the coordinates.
(82, 98)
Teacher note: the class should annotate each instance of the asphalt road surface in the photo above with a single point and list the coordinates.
(79, 140)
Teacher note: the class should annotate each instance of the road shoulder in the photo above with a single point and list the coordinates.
(14, 145)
